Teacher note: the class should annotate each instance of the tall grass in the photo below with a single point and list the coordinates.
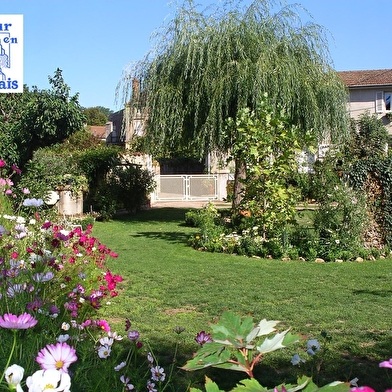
(169, 284)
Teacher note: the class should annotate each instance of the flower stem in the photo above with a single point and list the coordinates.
(10, 356)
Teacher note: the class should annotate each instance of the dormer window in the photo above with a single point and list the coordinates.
(383, 101)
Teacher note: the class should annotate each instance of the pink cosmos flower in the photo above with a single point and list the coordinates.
(2, 163)
(386, 364)
(103, 324)
(59, 356)
(24, 321)
(362, 389)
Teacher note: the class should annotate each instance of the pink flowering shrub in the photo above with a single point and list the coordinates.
(57, 276)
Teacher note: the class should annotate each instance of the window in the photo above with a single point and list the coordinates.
(383, 101)
(387, 98)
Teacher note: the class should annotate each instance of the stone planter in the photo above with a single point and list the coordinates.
(70, 203)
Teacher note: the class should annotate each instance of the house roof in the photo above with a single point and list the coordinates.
(97, 131)
(373, 77)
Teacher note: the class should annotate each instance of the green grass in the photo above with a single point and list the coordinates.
(169, 284)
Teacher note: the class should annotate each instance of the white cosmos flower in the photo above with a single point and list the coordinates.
(114, 335)
(14, 375)
(106, 341)
(49, 380)
(104, 351)
(65, 326)
(20, 219)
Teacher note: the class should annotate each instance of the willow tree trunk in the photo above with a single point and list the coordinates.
(239, 176)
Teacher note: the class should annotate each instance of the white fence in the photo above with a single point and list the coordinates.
(183, 187)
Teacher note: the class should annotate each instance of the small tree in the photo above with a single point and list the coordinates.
(369, 138)
(267, 144)
(96, 115)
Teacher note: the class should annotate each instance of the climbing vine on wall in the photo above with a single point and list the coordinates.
(374, 177)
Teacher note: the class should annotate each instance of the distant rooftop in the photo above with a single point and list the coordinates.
(373, 77)
(97, 131)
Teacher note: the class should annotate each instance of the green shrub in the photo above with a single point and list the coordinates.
(129, 186)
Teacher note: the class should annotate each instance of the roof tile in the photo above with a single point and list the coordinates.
(367, 77)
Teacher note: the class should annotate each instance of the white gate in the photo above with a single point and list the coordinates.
(186, 187)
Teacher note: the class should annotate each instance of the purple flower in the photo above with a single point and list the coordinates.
(133, 335)
(43, 276)
(24, 321)
(34, 305)
(151, 386)
(54, 309)
(157, 373)
(202, 338)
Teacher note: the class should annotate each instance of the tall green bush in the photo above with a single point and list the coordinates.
(266, 143)
(130, 185)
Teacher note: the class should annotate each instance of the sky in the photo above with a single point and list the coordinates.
(93, 41)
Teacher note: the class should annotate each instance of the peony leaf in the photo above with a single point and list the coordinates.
(272, 344)
(210, 387)
(249, 385)
(266, 327)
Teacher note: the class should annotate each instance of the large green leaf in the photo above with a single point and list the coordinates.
(249, 385)
(231, 329)
(209, 355)
(210, 387)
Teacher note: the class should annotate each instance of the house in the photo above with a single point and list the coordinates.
(98, 131)
(125, 127)
(370, 91)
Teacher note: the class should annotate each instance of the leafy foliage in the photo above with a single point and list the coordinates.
(81, 163)
(37, 118)
(374, 176)
(130, 185)
(234, 347)
(96, 115)
(234, 344)
(266, 144)
(369, 138)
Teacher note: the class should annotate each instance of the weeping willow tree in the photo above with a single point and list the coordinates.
(207, 65)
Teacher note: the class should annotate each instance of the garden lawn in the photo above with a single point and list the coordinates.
(168, 284)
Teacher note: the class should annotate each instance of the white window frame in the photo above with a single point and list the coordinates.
(381, 101)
